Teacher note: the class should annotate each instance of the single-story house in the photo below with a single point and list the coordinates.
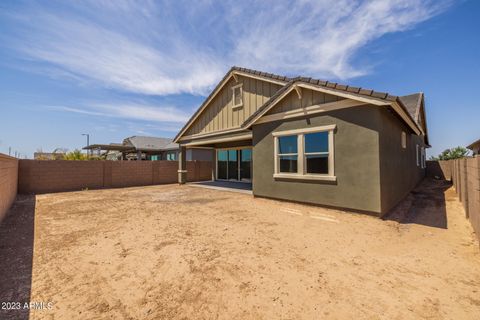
(311, 141)
(475, 147)
(147, 148)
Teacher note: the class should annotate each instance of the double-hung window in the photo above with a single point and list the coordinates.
(305, 153)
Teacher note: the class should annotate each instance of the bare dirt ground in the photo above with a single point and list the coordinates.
(179, 252)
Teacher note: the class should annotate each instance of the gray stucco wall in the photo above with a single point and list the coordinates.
(399, 172)
(357, 164)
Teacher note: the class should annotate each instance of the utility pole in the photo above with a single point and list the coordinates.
(9, 151)
(88, 141)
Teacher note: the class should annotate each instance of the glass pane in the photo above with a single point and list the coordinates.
(288, 164)
(222, 160)
(245, 164)
(287, 144)
(232, 165)
(171, 156)
(317, 163)
(316, 142)
(238, 96)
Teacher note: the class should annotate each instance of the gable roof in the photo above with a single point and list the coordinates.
(282, 80)
(410, 104)
(413, 103)
(473, 144)
(375, 97)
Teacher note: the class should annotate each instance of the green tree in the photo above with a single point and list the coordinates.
(75, 155)
(450, 154)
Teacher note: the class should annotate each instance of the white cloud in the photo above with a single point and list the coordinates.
(155, 114)
(321, 38)
(164, 47)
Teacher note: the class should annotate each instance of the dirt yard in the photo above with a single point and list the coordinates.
(182, 252)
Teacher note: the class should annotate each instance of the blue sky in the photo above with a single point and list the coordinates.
(114, 69)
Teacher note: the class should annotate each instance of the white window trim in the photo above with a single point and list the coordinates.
(404, 140)
(301, 159)
(424, 160)
(417, 152)
(234, 106)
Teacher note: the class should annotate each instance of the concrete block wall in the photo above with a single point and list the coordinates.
(8, 183)
(37, 176)
(41, 176)
(441, 169)
(465, 175)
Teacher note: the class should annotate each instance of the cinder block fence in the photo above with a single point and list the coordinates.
(465, 176)
(8, 182)
(41, 176)
(37, 176)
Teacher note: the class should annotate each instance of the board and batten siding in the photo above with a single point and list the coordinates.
(309, 97)
(219, 114)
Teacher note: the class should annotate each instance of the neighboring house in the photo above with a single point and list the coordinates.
(312, 141)
(147, 148)
(475, 147)
(48, 155)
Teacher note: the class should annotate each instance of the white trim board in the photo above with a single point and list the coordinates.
(302, 155)
(211, 134)
(245, 136)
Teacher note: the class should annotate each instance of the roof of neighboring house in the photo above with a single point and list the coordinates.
(111, 146)
(474, 144)
(410, 103)
(148, 143)
(138, 143)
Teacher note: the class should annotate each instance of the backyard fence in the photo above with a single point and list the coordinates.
(465, 175)
(40, 176)
(8, 182)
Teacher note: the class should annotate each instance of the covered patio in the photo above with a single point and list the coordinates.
(232, 159)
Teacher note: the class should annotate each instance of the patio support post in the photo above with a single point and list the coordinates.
(182, 165)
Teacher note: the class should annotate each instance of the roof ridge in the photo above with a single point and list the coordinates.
(318, 82)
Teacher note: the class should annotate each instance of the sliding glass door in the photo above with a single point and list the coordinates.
(234, 164)
(222, 164)
(245, 164)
